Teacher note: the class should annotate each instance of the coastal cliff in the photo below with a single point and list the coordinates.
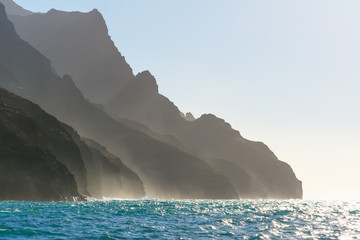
(165, 170)
(28, 169)
(136, 97)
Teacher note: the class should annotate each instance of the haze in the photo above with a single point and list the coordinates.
(282, 72)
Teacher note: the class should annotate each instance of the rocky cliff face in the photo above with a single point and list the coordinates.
(140, 101)
(166, 171)
(107, 176)
(29, 170)
(58, 141)
(210, 137)
(78, 36)
(274, 177)
(17, 56)
(94, 171)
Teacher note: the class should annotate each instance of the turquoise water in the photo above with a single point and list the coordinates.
(155, 219)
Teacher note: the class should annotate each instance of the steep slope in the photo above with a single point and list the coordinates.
(14, 9)
(107, 176)
(212, 138)
(28, 168)
(55, 138)
(209, 136)
(115, 174)
(166, 171)
(139, 100)
(95, 173)
(275, 177)
(74, 34)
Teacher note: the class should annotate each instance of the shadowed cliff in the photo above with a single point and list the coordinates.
(208, 136)
(166, 171)
(107, 176)
(138, 99)
(29, 169)
(74, 34)
(97, 173)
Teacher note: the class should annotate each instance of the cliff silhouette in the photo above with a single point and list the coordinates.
(147, 131)
(166, 171)
(28, 170)
(25, 127)
(103, 61)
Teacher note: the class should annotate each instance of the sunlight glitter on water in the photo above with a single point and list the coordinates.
(172, 219)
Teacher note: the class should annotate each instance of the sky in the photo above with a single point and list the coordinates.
(286, 73)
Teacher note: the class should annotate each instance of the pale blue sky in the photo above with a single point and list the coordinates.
(283, 72)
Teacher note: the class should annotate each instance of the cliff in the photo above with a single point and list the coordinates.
(166, 171)
(138, 99)
(210, 137)
(93, 170)
(107, 176)
(28, 169)
(78, 37)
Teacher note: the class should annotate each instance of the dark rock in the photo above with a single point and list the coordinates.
(118, 181)
(54, 137)
(28, 171)
(107, 175)
(77, 36)
(137, 98)
(166, 171)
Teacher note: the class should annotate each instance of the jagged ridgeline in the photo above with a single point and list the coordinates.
(166, 171)
(176, 156)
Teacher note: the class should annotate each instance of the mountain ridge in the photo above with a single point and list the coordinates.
(15, 8)
(104, 52)
(137, 98)
(29, 169)
(166, 171)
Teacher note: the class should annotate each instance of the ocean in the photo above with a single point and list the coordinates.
(181, 219)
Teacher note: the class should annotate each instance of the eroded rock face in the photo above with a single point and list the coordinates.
(274, 178)
(210, 137)
(29, 134)
(53, 137)
(165, 170)
(137, 98)
(107, 176)
(78, 37)
(28, 170)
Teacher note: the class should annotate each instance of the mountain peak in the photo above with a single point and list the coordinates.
(147, 81)
(213, 122)
(146, 74)
(211, 117)
(53, 10)
(95, 10)
(13, 8)
(188, 116)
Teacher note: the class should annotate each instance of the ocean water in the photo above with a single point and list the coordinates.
(173, 219)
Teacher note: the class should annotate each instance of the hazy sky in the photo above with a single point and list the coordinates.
(283, 72)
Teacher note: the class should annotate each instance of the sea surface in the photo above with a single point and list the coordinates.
(174, 219)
